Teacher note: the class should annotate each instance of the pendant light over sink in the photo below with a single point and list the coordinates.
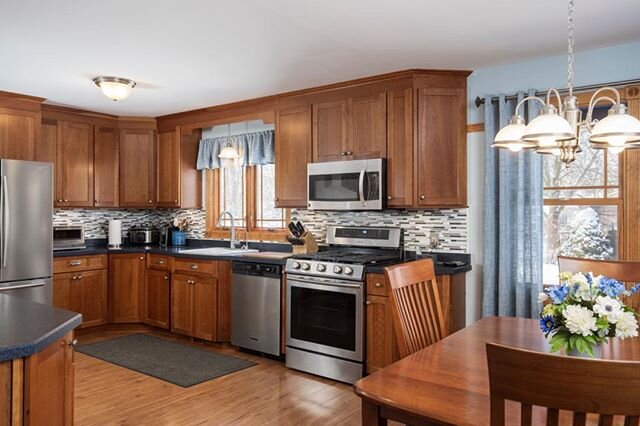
(115, 88)
(556, 130)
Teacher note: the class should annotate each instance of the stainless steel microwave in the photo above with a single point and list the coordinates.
(347, 185)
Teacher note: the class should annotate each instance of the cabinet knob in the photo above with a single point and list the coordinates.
(74, 277)
(141, 257)
(160, 261)
(389, 197)
(65, 201)
(73, 343)
(59, 200)
(367, 302)
(349, 153)
(166, 277)
(79, 277)
(378, 285)
(96, 202)
(343, 153)
(175, 201)
(422, 197)
(150, 201)
(194, 266)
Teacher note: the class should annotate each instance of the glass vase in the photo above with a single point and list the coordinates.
(178, 238)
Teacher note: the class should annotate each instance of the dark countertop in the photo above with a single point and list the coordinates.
(99, 247)
(29, 327)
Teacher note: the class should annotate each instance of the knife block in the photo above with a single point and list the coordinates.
(310, 245)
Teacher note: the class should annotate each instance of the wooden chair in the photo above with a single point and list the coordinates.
(628, 272)
(580, 386)
(416, 307)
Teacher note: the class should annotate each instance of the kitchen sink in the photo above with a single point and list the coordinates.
(219, 251)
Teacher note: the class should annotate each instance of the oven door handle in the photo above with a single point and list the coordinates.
(321, 281)
(361, 187)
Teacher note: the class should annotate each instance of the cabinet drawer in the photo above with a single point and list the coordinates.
(193, 266)
(79, 263)
(159, 261)
(377, 285)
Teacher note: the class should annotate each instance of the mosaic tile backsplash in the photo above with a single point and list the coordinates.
(96, 222)
(451, 224)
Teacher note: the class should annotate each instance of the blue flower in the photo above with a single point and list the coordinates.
(558, 293)
(547, 324)
(589, 278)
(635, 288)
(611, 287)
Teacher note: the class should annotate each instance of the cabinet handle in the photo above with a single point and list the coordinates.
(160, 261)
(194, 266)
(422, 197)
(75, 263)
(378, 285)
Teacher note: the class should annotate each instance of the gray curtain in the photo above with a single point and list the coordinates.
(513, 219)
(254, 148)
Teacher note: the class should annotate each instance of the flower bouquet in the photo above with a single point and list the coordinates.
(584, 311)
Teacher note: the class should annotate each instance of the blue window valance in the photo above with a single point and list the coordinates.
(255, 148)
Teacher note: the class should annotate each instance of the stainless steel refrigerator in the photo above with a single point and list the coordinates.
(26, 229)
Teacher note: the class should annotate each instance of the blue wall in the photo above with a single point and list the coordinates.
(604, 65)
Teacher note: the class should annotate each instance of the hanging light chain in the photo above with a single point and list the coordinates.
(570, 48)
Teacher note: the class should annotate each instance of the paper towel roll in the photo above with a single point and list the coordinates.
(115, 233)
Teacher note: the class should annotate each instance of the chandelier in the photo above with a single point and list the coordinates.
(557, 131)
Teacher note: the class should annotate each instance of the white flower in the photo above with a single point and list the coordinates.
(627, 325)
(581, 291)
(608, 307)
(579, 320)
(542, 297)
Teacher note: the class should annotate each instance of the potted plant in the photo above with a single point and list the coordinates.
(584, 311)
(179, 235)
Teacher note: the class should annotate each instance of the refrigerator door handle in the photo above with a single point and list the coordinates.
(32, 284)
(5, 220)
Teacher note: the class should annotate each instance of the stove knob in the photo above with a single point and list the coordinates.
(337, 269)
(306, 266)
(348, 270)
(295, 265)
(321, 267)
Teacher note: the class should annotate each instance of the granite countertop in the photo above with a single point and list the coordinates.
(441, 260)
(29, 327)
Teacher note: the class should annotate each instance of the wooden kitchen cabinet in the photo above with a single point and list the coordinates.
(367, 126)
(19, 133)
(330, 131)
(126, 287)
(400, 164)
(105, 160)
(194, 306)
(168, 166)
(441, 147)
(137, 167)
(49, 385)
(293, 152)
(74, 164)
(157, 296)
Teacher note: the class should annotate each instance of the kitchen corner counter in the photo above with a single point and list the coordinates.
(29, 327)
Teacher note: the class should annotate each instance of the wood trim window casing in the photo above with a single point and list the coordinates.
(213, 210)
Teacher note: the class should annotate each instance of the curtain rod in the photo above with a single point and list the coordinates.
(480, 101)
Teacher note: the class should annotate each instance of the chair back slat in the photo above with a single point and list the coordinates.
(418, 317)
(604, 388)
(526, 414)
(625, 271)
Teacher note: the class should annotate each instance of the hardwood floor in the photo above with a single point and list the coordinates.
(266, 394)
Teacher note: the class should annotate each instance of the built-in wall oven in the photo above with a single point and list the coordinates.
(347, 185)
(325, 322)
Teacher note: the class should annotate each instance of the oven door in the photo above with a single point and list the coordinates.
(325, 316)
(346, 185)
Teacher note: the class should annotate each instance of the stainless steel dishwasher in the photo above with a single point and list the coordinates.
(255, 306)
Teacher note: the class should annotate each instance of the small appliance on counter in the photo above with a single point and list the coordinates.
(68, 237)
(115, 233)
(144, 235)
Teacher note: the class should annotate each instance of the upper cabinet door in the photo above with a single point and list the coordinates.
(441, 147)
(400, 186)
(46, 150)
(293, 152)
(330, 131)
(137, 168)
(19, 133)
(75, 163)
(367, 127)
(168, 187)
(105, 166)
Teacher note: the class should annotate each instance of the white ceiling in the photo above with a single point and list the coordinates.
(188, 54)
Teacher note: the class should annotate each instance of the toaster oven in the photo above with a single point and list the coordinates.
(68, 237)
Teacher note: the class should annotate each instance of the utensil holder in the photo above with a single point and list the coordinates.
(309, 244)
(178, 238)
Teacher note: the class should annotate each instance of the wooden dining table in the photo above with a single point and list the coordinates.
(447, 383)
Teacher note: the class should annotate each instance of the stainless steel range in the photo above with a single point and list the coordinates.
(325, 300)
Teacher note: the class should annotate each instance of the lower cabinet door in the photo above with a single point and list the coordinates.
(126, 285)
(205, 292)
(381, 341)
(157, 296)
(182, 304)
(89, 290)
(48, 385)
(62, 290)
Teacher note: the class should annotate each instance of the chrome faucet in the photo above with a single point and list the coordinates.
(232, 230)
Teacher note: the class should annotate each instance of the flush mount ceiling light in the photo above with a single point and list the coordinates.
(555, 131)
(115, 88)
